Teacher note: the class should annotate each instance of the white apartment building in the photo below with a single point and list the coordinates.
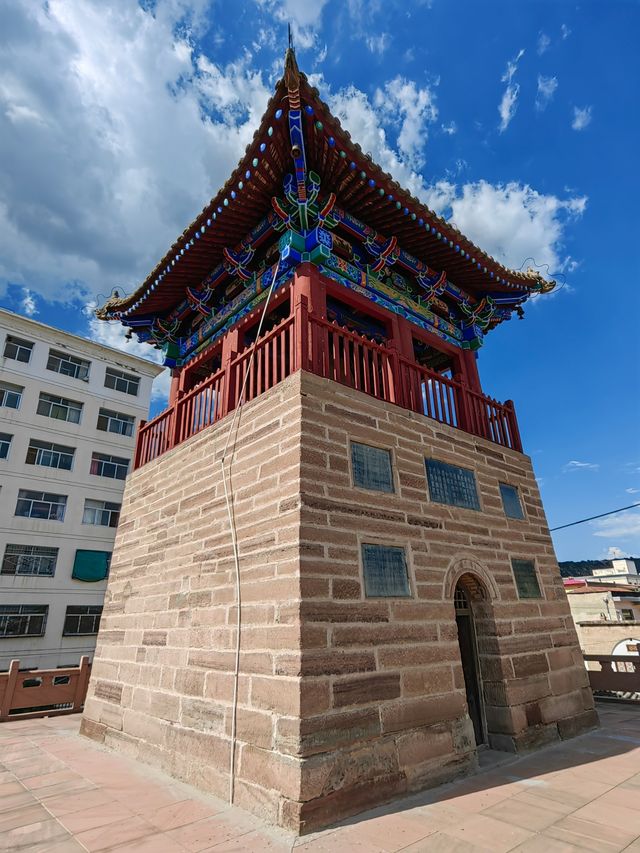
(69, 410)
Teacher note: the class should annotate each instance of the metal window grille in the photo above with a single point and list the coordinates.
(451, 485)
(23, 620)
(101, 513)
(18, 349)
(49, 455)
(120, 381)
(627, 615)
(29, 560)
(10, 395)
(511, 501)
(385, 571)
(524, 572)
(81, 620)
(371, 468)
(68, 365)
(42, 505)
(59, 408)
(115, 422)
(5, 444)
(114, 467)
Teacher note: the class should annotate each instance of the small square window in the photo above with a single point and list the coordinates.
(524, 572)
(451, 485)
(385, 571)
(371, 468)
(511, 501)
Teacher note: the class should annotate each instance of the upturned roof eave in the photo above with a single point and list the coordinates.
(116, 306)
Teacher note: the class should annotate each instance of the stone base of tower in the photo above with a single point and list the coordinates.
(343, 701)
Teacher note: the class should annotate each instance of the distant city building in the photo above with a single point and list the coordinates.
(621, 571)
(69, 410)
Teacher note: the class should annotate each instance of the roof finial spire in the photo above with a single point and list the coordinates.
(291, 71)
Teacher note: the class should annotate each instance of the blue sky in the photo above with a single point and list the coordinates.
(518, 120)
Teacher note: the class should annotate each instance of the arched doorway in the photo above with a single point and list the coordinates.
(463, 603)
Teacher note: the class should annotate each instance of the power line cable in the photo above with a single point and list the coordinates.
(592, 517)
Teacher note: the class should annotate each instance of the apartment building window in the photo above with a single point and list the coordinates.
(104, 465)
(101, 513)
(371, 467)
(59, 408)
(120, 381)
(10, 395)
(81, 619)
(23, 620)
(449, 484)
(49, 455)
(5, 444)
(18, 349)
(524, 573)
(385, 571)
(44, 505)
(68, 365)
(91, 566)
(29, 560)
(627, 614)
(115, 422)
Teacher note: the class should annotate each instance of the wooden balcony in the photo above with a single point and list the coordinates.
(303, 341)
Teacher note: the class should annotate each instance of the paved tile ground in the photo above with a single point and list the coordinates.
(60, 793)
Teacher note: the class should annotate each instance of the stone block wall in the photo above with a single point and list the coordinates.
(344, 701)
(382, 683)
(162, 683)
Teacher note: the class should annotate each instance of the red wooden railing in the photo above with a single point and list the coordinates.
(352, 360)
(302, 341)
(200, 407)
(614, 675)
(43, 692)
(273, 361)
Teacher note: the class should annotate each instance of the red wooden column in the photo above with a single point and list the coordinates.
(175, 384)
(469, 366)
(308, 301)
(401, 343)
(230, 346)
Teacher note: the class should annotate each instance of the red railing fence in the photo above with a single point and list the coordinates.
(615, 676)
(43, 692)
(302, 341)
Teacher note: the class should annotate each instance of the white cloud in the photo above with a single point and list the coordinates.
(624, 525)
(512, 67)
(565, 32)
(378, 44)
(513, 222)
(367, 126)
(546, 90)
(543, 43)
(28, 302)
(405, 105)
(450, 128)
(305, 17)
(117, 133)
(632, 491)
(113, 334)
(574, 465)
(581, 117)
(508, 104)
(615, 553)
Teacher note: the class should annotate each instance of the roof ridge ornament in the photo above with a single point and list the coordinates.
(291, 70)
